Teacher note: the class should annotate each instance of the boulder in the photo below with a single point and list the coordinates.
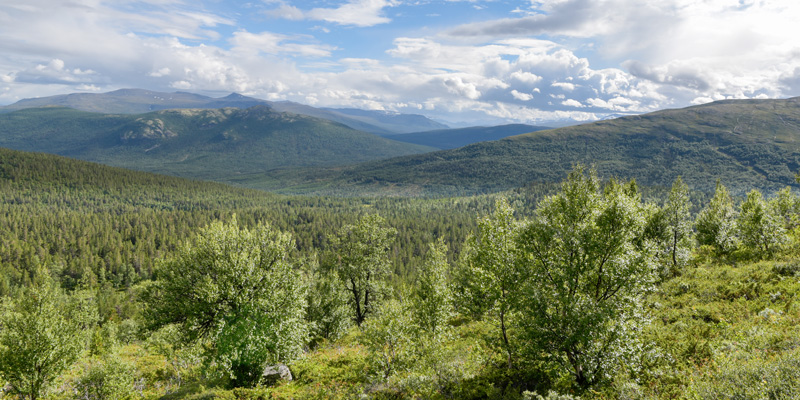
(275, 373)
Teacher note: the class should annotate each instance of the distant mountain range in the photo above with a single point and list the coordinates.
(225, 145)
(744, 143)
(137, 101)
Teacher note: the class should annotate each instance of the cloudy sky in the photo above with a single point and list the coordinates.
(471, 60)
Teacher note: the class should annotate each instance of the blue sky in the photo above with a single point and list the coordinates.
(475, 61)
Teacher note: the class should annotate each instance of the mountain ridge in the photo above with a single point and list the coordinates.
(213, 144)
(138, 101)
(745, 143)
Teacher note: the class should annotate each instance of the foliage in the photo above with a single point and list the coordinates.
(109, 379)
(490, 278)
(583, 302)
(760, 227)
(361, 254)
(103, 339)
(235, 288)
(724, 324)
(716, 223)
(328, 311)
(176, 363)
(787, 205)
(42, 332)
(671, 229)
(432, 301)
(389, 340)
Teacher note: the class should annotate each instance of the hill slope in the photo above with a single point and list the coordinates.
(212, 144)
(138, 101)
(746, 143)
(446, 139)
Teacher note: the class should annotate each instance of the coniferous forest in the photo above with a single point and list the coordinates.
(126, 285)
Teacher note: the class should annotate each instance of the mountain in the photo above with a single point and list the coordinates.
(138, 101)
(391, 121)
(744, 143)
(226, 144)
(453, 138)
(134, 101)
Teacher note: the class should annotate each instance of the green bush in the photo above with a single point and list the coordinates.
(42, 333)
(237, 291)
(110, 379)
(128, 331)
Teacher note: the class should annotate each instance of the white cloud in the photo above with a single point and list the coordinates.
(521, 96)
(161, 72)
(286, 11)
(54, 72)
(181, 85)
(525, 77)
(88, 88)
(566, 86)
(361, 13)
(687, 49)
(272, 43)
(558, 59)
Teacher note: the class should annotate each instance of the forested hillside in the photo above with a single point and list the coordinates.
(223, 145)
(746, 143)
(120, 284)
(102, 224)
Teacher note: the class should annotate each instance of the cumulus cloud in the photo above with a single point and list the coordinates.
(689, 50)
(521, 96)
(554, 59)
(54, 71)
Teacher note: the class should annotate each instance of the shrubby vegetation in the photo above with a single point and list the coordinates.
(42, 333)
(125, 285)
(237, 292)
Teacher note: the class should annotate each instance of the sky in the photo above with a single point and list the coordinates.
(471, 61)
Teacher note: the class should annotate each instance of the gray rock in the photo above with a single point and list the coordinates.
(275, 373)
